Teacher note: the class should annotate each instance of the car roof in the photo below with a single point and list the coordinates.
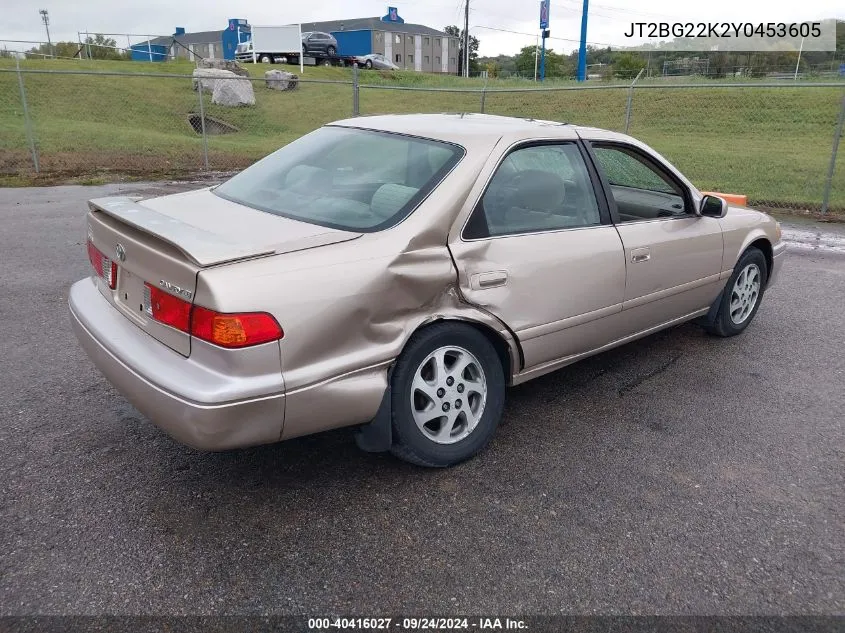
(465, 127)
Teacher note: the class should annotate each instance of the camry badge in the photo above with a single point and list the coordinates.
(174, 289)
(120, 252)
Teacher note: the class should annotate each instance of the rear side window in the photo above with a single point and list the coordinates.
(537, 188)
(345, 178)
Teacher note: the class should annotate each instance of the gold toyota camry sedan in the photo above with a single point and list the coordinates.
(397, 273)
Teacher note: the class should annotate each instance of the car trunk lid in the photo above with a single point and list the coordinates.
(165, 242)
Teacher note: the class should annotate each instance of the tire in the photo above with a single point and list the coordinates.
(742, 295)
(266, 59)
(477, 394)
(332, 51)
(368, 64)
(327, 63)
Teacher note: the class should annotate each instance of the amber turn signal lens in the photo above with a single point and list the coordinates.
(234, 330)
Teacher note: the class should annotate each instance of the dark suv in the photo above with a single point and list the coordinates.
(317, 42)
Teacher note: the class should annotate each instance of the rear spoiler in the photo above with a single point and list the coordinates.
(200, 246)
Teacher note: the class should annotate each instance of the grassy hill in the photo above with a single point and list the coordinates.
(771, 143)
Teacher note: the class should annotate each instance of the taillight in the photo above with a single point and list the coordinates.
(236, 330)
(105, 268)
(167, 309)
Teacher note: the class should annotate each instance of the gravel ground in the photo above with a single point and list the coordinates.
(681, 474)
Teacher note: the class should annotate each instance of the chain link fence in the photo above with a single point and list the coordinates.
(775, 142)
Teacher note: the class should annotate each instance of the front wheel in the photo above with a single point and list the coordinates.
(266, 59)
(332, 51)
(742, 296)
(448, 393)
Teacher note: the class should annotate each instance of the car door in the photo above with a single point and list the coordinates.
(540, 253)
(673, 255)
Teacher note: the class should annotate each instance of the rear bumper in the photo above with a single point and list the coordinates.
(778, 255)
(195, 404)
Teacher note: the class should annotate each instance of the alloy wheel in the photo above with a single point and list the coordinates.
(745, 292)
(448, 394)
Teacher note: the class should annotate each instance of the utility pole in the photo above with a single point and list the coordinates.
(798, 63)
(544, 27)
(466, 38)
(582, 51)
(45, 17)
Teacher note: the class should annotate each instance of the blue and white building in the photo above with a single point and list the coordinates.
(409, 46)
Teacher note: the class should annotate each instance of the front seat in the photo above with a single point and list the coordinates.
(535, 202)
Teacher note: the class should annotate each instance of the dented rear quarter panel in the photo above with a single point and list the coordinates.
(347, 310)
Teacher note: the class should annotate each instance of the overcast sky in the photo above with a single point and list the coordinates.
(608, 18)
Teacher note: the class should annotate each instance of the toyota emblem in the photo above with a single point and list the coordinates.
(120, 252)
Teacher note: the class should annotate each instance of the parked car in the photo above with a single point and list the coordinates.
(397, 273)
(377, 61)
(318, 42)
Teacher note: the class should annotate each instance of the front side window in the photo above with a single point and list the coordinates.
(641, 189)
(345, 178)
(537, 188)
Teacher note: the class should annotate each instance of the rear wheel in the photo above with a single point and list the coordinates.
(742, 295)
(332, 51)
(448, 392)
(369, 64)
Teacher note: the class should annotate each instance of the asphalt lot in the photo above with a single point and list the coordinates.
(680, 474)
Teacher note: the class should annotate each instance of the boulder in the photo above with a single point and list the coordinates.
(208, 77)
(223, 64)
(233, 92)
(280, 80)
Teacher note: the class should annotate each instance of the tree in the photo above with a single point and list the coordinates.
(474, 66)
(59, 49)
(102, 47)
(556, 65)
(628, 65)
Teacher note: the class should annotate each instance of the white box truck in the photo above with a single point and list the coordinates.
(270, 44)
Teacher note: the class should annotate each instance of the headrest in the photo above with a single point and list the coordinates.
(539, 191)
(388, 199)
(306, 177)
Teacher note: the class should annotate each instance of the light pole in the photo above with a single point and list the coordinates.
(582, 51)
(45, 17)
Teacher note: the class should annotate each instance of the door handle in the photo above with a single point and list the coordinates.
(640, 255)
(493, 279)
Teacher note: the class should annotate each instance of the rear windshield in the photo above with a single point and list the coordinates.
(344, 178)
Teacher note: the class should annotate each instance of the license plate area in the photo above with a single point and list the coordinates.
(130, 294)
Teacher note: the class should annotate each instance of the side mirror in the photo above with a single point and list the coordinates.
(713, 207)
